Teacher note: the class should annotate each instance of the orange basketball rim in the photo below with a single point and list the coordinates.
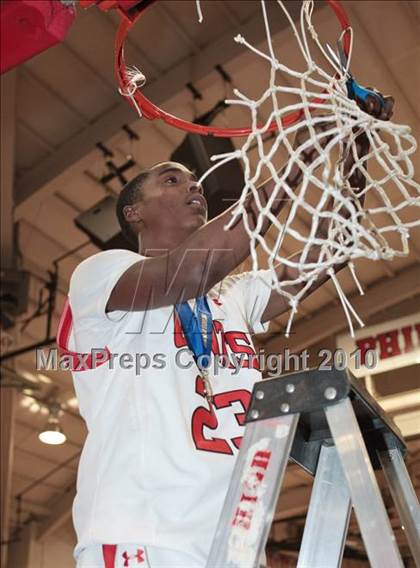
(130, 12)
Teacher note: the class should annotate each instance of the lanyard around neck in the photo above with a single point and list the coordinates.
(197, 326)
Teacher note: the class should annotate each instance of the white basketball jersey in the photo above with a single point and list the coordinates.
(158, 457)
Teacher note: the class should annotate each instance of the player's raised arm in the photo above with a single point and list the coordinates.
(167, 211)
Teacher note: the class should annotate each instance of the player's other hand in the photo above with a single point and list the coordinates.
(375, 107)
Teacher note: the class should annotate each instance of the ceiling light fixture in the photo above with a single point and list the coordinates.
(72, 402)
(44, 379)
(34, 407)
(26, 400)
(52, 433)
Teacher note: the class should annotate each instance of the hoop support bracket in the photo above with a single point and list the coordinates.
(128, 9)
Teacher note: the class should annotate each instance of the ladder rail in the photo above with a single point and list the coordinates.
(313, 418)
(253, 492)
(404, 497)
(371, 514)
(328, 516)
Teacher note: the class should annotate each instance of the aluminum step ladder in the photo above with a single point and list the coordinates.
(326, 422)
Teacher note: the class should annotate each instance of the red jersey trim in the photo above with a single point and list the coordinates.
(81, 360)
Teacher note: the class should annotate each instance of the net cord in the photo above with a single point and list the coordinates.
(354, 231)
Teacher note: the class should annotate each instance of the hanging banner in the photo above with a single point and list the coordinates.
(383, 347)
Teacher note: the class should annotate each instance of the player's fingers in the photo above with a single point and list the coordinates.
(373, 105)
(384, 106)
(362, 144)
(322, 128)
(387, 108)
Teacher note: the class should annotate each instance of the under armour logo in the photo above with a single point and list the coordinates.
(138, 556)
(217, 302)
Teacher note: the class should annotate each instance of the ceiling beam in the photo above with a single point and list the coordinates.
(74, 256)
(56, 169)
(22, 552)
(62, 512)
(27, 73)
(56, 465)
(175, 24)
(19, 476)
(139, 54)
(39, 138)
(40, 274)
(29, 506)
(331, 320)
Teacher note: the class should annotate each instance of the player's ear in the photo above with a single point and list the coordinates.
(132, 213)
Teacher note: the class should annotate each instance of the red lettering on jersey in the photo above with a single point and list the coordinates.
(203, 417)
(234, 339)
(179, 337)
(225, 399)
(237, 341)
(218, 344)
(237, 442)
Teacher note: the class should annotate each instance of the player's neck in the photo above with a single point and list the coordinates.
(151, 244)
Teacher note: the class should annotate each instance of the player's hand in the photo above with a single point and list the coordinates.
(373, 105)
(379, 106)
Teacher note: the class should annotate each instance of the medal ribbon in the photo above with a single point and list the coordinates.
(197, 326)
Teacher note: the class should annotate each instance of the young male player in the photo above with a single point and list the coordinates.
(162, 432)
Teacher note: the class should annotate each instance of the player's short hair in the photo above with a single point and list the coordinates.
(130, 194)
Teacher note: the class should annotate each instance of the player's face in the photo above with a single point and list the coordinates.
(171, 196)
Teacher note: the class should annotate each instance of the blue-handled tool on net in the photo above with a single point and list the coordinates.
(354, 90)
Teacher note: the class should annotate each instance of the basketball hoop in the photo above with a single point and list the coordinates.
(130, 87)
(377, 231)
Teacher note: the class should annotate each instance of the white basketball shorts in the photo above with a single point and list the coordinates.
(136, 556)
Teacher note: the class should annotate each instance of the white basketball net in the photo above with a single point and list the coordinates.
(379, 229)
